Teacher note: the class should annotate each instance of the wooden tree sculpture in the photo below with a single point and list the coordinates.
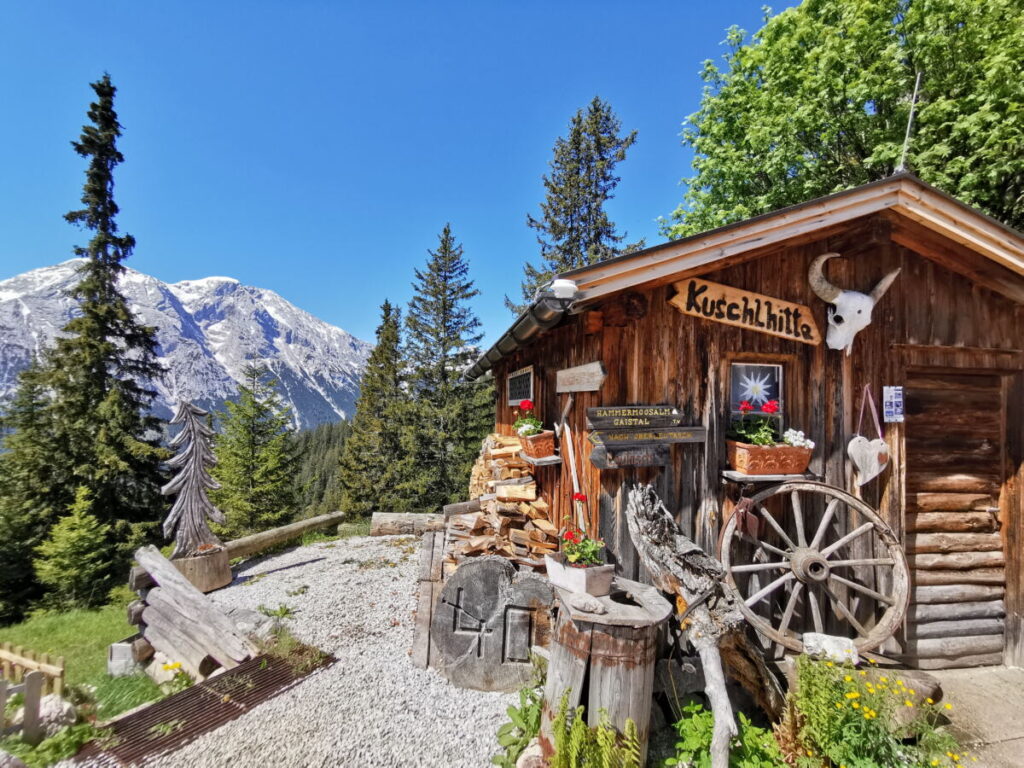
(187, 519)
(707, 611)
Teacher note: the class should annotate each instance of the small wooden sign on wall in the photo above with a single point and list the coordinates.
(743, 309)
(582, 378)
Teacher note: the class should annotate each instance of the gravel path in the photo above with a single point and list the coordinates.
(353, 598)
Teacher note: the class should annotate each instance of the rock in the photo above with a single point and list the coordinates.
(156, 669)
(586, 603)
(7, 760)
(830, 647)
(532, 757)
(252, 623)
(923, 685)
(55, 715)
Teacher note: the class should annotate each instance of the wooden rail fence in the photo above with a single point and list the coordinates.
(33, 675)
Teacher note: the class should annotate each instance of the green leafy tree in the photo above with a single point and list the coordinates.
(74, 562)
(574, 229)
(372, 457)
(818, 101)
(255, 458)
(445, 418)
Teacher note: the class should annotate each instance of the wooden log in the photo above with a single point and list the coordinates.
(461, 508)
(962, 628)
(960, 662)
(956, 593)
(954, 647)
(165, 633)
(207, 571)
(142, 650)
(956, 561)
(396, 523)
(975, 576)
(250, 545)
(923, 612)
(943, 502)
(139, 579)
(226, 648)
(937, 522)
(134, 611)
(920, 543)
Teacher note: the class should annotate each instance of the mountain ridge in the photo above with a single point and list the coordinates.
(207, 330)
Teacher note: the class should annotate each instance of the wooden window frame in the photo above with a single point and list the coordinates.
(508, 386)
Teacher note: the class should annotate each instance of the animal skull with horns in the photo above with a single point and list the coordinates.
(851, 310)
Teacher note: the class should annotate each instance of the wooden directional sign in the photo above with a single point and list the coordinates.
(613, 439)
(582, 378)
(753, 311)
(642, 456)
(627, 416)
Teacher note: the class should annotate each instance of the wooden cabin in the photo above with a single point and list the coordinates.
(942, 355)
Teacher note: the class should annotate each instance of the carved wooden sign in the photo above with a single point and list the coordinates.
(613, 439)
(641, 456)
(744, 309)
(624, 416)
(582, 378)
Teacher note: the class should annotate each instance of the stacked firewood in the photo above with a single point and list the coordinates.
(499, 460)
(505, 525)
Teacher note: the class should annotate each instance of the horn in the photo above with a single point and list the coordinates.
(883, 285)
(822, 287)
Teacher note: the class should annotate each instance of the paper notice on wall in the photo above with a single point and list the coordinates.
(892, 404)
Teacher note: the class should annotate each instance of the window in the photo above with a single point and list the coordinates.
(520, 386)
(756, 383)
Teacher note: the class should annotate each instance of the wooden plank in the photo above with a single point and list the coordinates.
(633, 416)
(744, 309)
(941, 502)
(581, 378)
(961, 628)
(11, 658)
(567, 669)
(957, 560)
(954, 647)
(956, 593)
(546, 461)
(973, 576)
(919, 543)
(629, 438)
(960, 662)
(923, 612)
(954, 522)
(421, 628)
(227, 648)
(622, 458)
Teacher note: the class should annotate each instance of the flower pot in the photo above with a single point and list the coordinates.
(778, 459)
(594, 580)
(539, 446)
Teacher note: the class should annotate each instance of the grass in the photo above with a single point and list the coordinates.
(360, 527)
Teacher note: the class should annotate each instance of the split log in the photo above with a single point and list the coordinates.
(956, 593)
(923, 612)
(956, 560)
(920, 543)
(135, 609)
(139, 579)
(250, 545)
(462, 508)
(975, 576)
(520, 492)
(714, 624)
(395, 523)
(961, 628)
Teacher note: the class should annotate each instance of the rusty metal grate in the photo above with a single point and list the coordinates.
(179, 719)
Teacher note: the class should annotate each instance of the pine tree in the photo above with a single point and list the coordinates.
(74, 560)
(319, 452)
(187, 518)
(255, 458)
(102, 368)
(446, 418)
(371, 459)
(574, 229)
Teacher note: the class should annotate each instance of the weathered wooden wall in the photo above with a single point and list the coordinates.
(931, 319)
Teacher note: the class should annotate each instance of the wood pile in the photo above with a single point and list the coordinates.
(499, 460)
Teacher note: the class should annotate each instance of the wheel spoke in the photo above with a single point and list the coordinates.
(768, 589)
(863, 590)
(764, 545)
(760, 567)
(798, 518)
(841, 606)
(855, 533)
(787, 615)
(775, 524)
(812, 601)
(830, 512)
(866, 561)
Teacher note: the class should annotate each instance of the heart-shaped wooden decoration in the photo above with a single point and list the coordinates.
(869, 457)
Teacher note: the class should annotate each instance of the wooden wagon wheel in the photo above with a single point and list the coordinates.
(800, 565)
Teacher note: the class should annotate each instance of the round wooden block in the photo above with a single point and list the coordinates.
(487, 618)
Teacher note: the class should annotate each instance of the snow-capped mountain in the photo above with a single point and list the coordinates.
(207, 331)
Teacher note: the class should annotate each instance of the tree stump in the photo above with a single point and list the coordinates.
(207, 571)
(486, 620)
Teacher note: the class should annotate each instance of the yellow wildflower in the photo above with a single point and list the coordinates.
(848, 679)
(930, 700)
(909, 703)
(856, 705)
(947, 705)
(853, 695)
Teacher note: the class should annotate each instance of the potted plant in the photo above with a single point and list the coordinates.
(755, 447)
(537, 442)
(578, 567)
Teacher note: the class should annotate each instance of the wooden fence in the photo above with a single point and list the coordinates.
(32, 675)
(32, 689)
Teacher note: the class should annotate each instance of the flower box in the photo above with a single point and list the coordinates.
(539, 446)
(778, 459)
(594, 580)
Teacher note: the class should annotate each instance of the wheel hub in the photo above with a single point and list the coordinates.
(809, 566)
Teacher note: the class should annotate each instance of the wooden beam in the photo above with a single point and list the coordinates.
(250, 545)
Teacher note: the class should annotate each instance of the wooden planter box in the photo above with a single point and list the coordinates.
(539, 446)
(778, 459)
(594, 580)
(208, 571)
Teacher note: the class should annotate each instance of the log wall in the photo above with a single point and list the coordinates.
(932, 319)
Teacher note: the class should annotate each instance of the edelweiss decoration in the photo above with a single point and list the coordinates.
(851, 310)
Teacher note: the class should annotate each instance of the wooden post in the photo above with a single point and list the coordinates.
(31, 727)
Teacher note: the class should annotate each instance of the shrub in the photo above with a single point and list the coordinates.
(578, 746)
(523, 725)
(753, 748)
(74, 560)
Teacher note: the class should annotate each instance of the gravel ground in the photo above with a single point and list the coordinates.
(353, 598)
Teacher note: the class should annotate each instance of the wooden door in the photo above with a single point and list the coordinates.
(955, 475)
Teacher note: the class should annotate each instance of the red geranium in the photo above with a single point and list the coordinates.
(570, 535)
(772, 406)
(745, 406)
(579, 497)
(526, 405)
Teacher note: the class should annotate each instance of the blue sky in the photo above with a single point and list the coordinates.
(318, 148)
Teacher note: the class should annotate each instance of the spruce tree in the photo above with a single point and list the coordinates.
(574, 229)
(446, 417)
(319, 451)
(255, 458)
(74, 560)
(372, 457)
